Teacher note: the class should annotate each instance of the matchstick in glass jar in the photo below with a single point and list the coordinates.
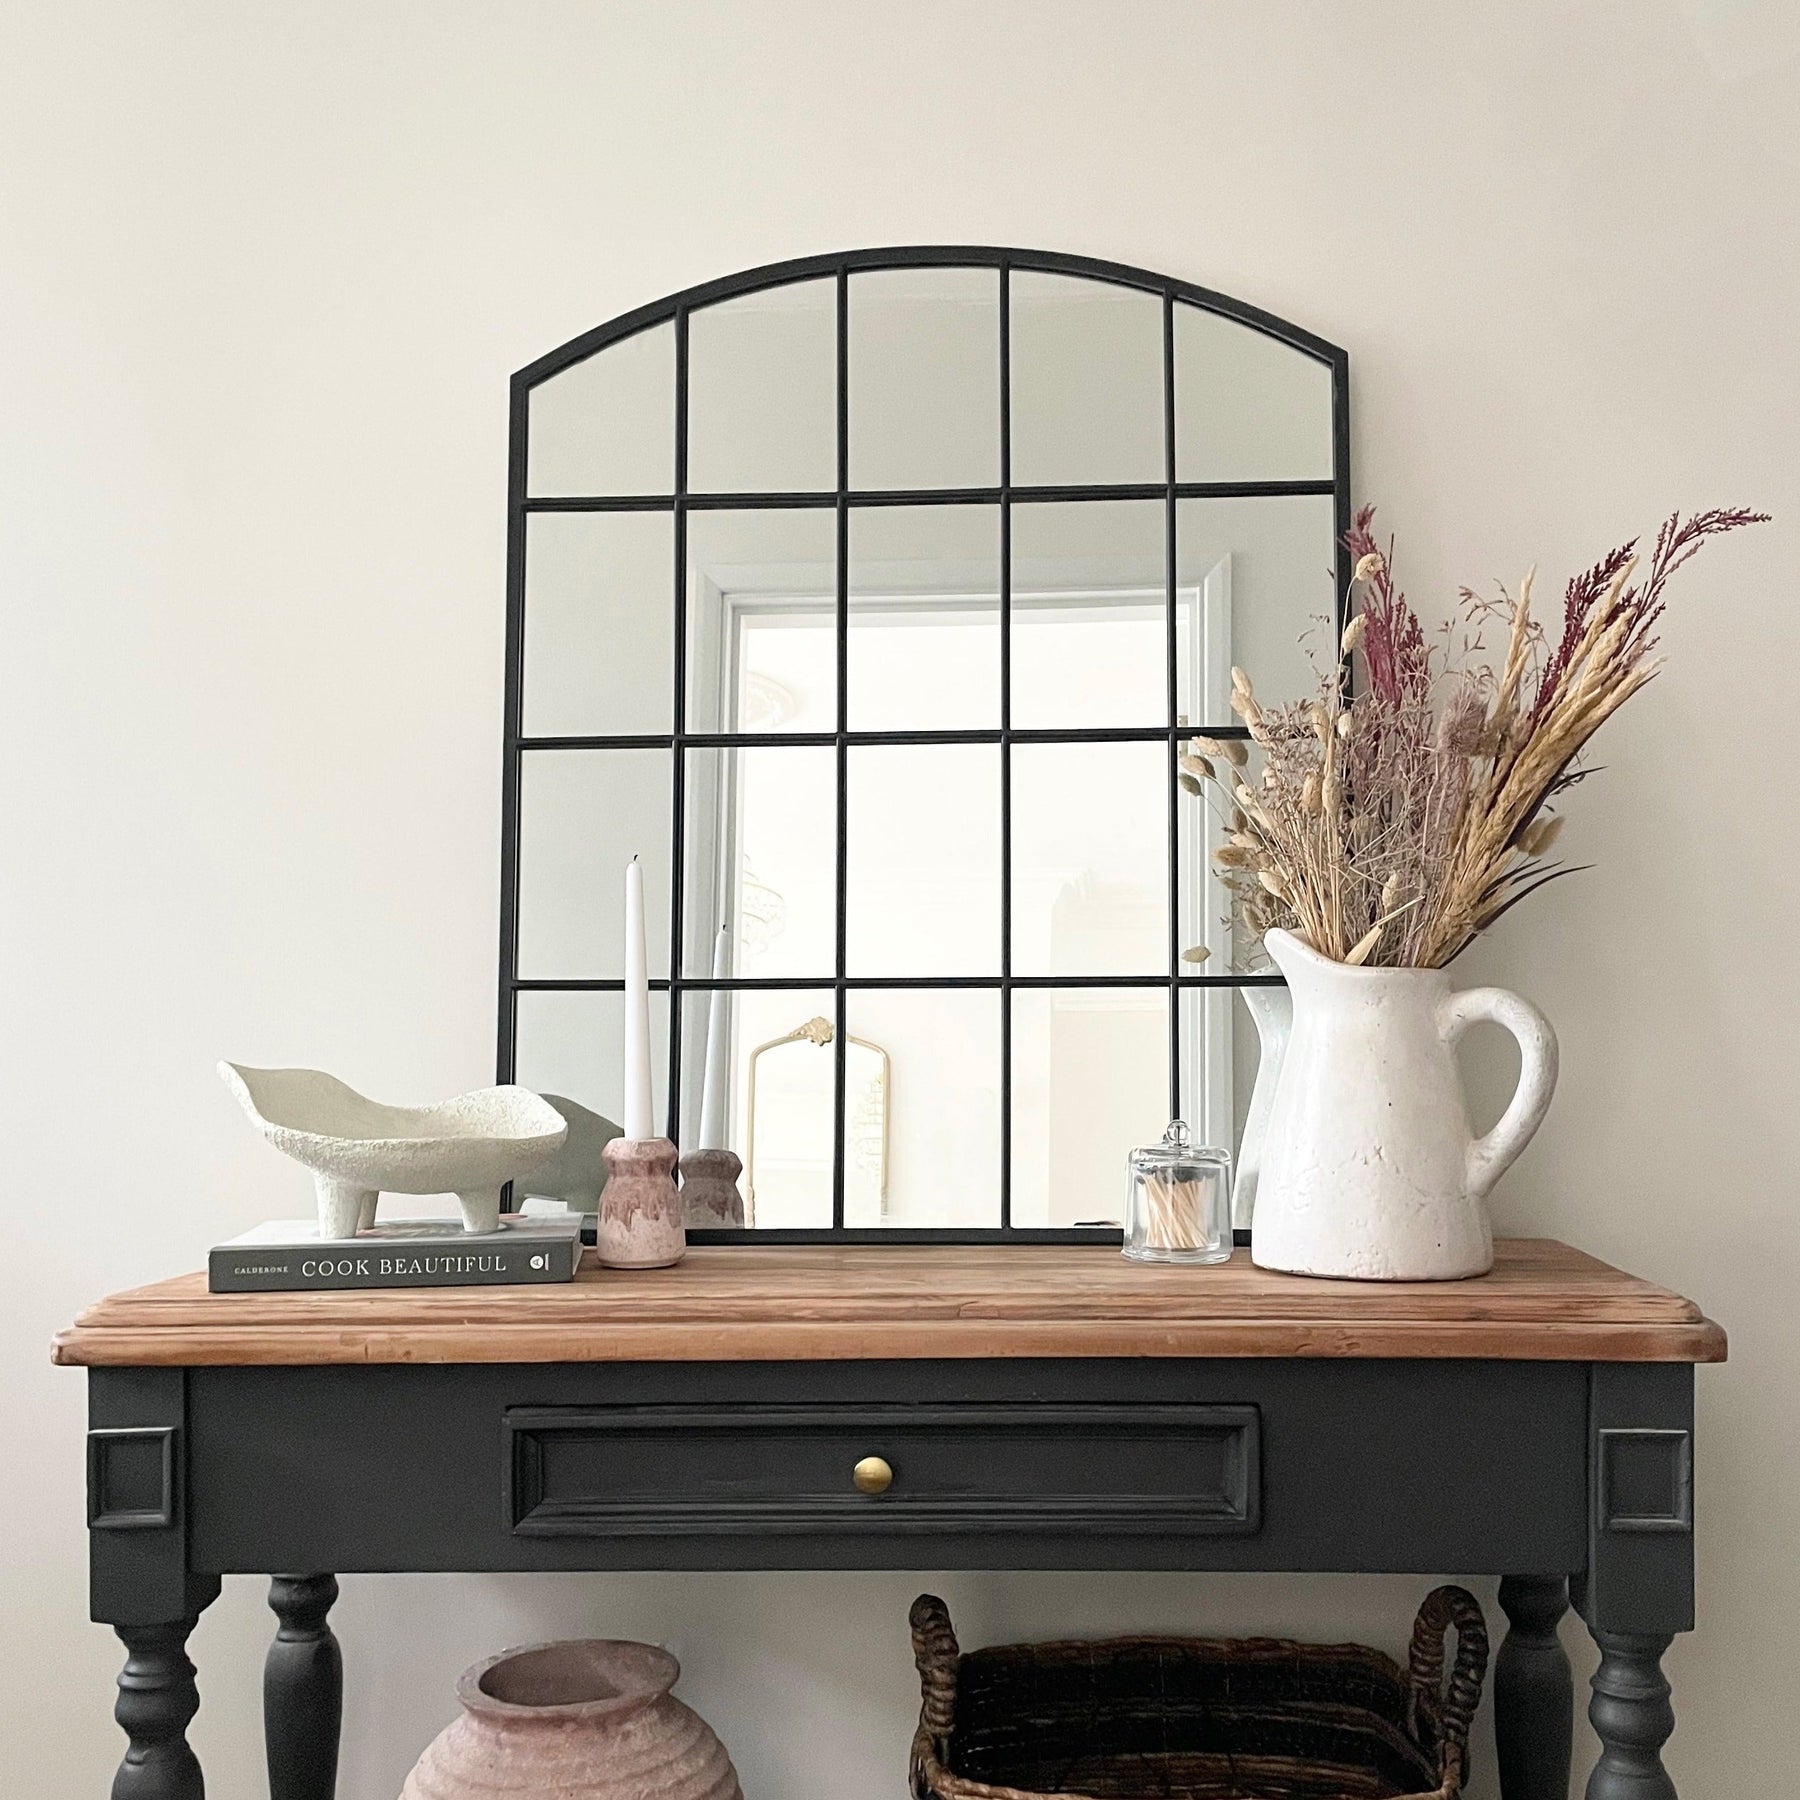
(1178, 1202)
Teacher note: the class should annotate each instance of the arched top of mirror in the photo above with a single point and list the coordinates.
(1096, 350)
(865, 598)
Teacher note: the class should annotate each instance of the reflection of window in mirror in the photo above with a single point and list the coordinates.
(761, 860)
(1090, 885)
(761, 847)
(1090, 871)
(761, 654)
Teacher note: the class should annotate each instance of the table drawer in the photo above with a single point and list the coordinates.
(680, 1470)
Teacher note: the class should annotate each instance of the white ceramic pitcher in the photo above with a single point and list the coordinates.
(1370, 1169)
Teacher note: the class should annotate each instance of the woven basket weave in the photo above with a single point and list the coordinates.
(1196, 1718)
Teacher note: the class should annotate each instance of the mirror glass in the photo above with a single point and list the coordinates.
(1247, 406)
(1219, 1053)
(771, 1053)
(1258, 578)
(1208, 920)
(1087, 381)
(606, 425)
(1090, 608)
(760, 862)
(922, 891)
(599, 629)
(572, 1042)
(1090, 1083)
(892, 719)
(762, 620)
(924, 637)
(934, 1057)
(924, 378)
(762, 392)
(1090, 859)
(583, 815)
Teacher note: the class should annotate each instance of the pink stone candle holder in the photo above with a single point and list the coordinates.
(709, 1189)
(639, 1225)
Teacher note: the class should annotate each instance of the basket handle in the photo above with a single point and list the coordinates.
(936, 1653)
(1446, 1608)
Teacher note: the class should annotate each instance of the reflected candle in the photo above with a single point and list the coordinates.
(637, 1119)
(718, 1044)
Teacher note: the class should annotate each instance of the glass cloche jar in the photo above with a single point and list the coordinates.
(1178, 1202)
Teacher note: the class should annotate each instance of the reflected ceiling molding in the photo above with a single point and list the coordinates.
(762, 913)
(764, 704)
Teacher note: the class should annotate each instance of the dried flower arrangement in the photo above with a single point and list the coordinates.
(1392, 828)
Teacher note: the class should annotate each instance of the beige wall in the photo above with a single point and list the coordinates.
(265, 271)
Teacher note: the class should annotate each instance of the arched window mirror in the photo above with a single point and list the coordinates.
(866, 598)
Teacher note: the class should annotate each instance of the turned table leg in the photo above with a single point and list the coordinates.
(1631, 1712)
(303, 1690)
(1534, 1691)
(1638, 1589)
(140, 1582)
(157, 1701)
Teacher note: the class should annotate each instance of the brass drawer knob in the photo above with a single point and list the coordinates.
(873, 1475)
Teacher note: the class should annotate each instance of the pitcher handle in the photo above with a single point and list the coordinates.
(1490, 1157)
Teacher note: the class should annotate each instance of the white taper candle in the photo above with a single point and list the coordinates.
(718, 1052)
(637, 1120)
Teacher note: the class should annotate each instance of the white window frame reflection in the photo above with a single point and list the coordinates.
(723, 612)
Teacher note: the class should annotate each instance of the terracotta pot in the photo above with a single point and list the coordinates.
(590, 1720)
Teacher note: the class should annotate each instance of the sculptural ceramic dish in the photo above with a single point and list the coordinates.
(575, 1171)
(359, 1149)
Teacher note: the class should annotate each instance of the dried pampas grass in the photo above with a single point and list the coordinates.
(1393, 828)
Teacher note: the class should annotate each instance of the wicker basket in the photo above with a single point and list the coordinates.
(1196, 1719)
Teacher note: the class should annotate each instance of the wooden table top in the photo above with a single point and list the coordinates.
(1543, 1301)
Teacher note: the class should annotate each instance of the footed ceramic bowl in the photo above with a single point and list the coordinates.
(358, 1149)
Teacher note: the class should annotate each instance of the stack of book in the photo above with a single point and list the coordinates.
(288, 1255)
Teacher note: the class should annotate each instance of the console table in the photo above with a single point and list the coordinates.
(897, 1407)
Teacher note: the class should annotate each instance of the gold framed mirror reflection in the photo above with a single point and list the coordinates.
(867, 1113)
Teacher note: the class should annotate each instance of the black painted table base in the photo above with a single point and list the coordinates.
(303, 1689)
(1571, 1481)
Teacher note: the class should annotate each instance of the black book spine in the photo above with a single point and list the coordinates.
(271, 1269)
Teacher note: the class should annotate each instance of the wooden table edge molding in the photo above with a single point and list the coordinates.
(1543, 1301)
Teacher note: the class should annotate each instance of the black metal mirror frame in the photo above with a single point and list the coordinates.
(681, 502)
